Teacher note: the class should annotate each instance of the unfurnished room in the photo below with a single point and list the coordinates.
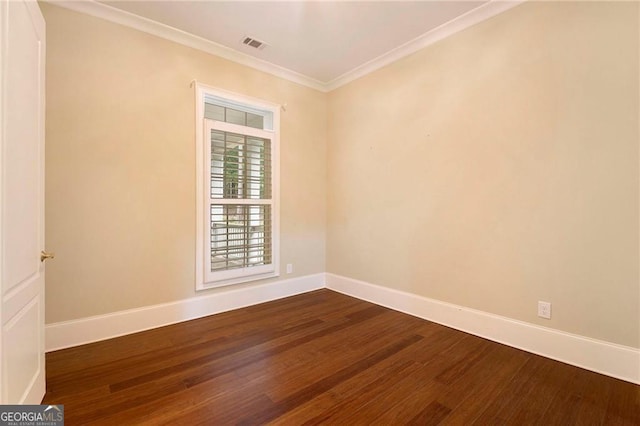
(320, 212)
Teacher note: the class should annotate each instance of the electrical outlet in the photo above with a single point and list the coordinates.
(544, 309)
(289, 268)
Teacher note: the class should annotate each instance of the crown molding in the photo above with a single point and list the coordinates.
(118, 16)
(449, 28)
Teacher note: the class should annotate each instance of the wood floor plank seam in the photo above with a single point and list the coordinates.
(363, 315)
(213, 355)
(310, 392)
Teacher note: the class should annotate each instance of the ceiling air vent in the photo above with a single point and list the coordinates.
(257, 44)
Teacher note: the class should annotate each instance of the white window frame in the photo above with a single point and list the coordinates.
(205, 279)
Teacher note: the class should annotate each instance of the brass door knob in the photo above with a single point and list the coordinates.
(44, 256)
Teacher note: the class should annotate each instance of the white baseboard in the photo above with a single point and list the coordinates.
(92, 329)
(613, 360)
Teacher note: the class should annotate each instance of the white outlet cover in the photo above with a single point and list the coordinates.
(544, 310)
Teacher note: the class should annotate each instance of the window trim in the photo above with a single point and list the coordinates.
(202, 163)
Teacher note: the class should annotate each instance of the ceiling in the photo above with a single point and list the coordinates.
(322, 40)
(317, 43)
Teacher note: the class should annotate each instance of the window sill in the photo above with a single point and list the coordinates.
(233, 281)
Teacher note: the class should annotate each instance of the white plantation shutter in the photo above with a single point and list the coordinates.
(238, 202)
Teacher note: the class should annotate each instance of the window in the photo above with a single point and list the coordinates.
(237, 190)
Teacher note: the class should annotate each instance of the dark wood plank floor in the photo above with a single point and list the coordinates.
(323, 357)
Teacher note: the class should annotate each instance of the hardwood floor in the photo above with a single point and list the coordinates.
(323, 357)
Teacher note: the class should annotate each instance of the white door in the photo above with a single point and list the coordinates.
(22, 53)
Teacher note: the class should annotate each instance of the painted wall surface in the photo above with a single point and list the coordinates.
(499, 167)
(493, 169)
(120, 165)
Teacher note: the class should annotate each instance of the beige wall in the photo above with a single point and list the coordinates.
(494, 169)
(499, 167)
(120, 165)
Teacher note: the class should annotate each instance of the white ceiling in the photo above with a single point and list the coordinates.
(320, 44)
(322, 40)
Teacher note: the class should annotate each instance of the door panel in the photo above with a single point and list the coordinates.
(22, 190)
(22, 350)
(21, 183)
